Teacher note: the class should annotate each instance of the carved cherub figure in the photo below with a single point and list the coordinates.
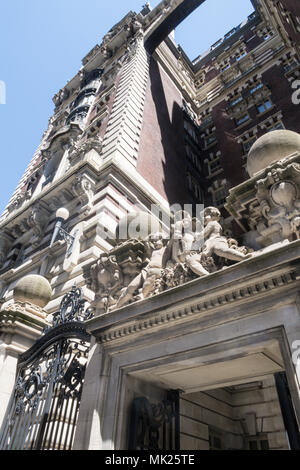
(181, 245)
(215, 243)
(147, 278)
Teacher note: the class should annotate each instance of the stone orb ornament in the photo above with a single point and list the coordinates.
(138, 225)
(33, 289)
(270, 148)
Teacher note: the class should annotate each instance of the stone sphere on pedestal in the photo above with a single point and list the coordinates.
(270, 148)
(33, 289)
(137, 225)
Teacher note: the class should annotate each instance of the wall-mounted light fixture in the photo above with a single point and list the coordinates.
(62, 215)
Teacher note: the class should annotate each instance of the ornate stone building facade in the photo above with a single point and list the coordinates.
(192, 334)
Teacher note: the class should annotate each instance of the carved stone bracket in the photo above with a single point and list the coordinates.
(37, 220)
(83, 189)
(6, 242)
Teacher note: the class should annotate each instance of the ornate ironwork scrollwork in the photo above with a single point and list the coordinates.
(155, 426)
(72, 309)
(43, 409)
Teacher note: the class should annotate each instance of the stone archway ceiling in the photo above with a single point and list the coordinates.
(169, 23)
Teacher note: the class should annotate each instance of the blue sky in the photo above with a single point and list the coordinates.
(42, 43)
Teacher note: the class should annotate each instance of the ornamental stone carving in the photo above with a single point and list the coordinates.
(279, 200)
(60, 97)
(6, 242)
(269, 203)
(138, 269)
(83, 189)
(79, 148)
(18, 201)
(38, 220)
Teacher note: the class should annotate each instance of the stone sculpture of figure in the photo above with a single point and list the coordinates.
(147, 278)
(107, 280)
(215, 243)
(182, 244)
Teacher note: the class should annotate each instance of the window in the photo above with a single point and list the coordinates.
(236, 101)
(265, 33)
(191, 130)
(242, 119)
(247, 145)
(200, 81)
(214, 164)
(209, 137)
(240, 55)
(290, 66)
(225, 65)
(209, 140)
(215, 440)
(256, 88)
(258, 443)
(276, 127)
(267, 104)
(195, 188)
(193, 157)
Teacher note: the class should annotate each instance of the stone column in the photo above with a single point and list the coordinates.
(21, 325)
(89, 430)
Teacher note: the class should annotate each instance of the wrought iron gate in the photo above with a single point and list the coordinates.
(155, 426)
(43, 409)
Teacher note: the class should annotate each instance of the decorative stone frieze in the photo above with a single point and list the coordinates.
(138, 269)
(197, 309)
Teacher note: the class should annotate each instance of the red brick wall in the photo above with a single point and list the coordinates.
(161, 158)
(292, 7)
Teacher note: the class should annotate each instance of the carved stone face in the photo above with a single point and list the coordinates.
(211, 214)
(158, 244)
